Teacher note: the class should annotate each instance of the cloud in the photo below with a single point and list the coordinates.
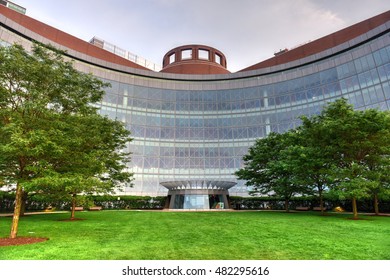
(246, 31)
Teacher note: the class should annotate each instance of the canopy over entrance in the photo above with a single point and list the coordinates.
(198, 194)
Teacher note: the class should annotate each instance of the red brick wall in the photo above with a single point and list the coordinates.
(195, 68)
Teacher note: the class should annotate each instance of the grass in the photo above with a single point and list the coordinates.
(143, 235)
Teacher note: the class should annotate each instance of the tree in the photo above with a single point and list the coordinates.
(381, 189)
(312, 158)
(267, 169)
(341, 149)
(357, 143)
(377, 160)
(90, 161)
(45, 109)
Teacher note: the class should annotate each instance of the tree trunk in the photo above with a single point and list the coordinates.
(321, 201)
(286, 202)
(73, 207)
(376, 204)
(354, 208)
(17, 208)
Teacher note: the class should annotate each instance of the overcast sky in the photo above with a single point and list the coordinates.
(246, 31)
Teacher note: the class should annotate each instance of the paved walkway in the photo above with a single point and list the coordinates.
(32, 213)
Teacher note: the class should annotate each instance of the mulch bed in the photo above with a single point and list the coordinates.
(21, 241)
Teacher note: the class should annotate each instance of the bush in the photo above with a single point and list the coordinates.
(277, 203)
(129, 202)
(40, 202)
(6, 201)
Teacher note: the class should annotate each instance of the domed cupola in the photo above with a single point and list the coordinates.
(194, 59)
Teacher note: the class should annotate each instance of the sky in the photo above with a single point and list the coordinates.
(246, 31)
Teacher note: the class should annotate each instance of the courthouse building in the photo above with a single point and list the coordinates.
(192, 120)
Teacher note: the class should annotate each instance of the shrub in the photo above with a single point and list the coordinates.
(40, 202)
(277, 203)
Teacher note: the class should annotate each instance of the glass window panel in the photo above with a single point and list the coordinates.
(350, 84)
(167, 133)
(218, 59)
(271, 101)
(182, 96)
(364, 63)
(296, 84)
(196, 133)
(168, 106)
(172, 58)
(186, 54)
(330, 90)
(386, 90)
(235, 106)
(328, 76)
(166, 121)
(226, 133)
(224, 106)
(384, 72)
(203, 54)
(240, 133)
(300, 96)
(359, 100)
(312, 80)
(345, 70)
(167, 151)
(281, 88)
(379, 94)
(366, 96)
(140, 92)
(211, 133)
(368, 78)
(382, 56)
(137, 131)
(136, 161)
(110, 98)
(226, 121)
(167, 163)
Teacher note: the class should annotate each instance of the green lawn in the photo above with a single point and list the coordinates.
(142, 235)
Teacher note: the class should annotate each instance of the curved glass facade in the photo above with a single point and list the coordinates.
(199, 127)
(203, 131)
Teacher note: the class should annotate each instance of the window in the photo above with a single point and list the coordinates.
(218, 59)
(186, 54)
(172, 58)
(203, 54)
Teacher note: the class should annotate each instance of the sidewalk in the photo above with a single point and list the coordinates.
(32, 213)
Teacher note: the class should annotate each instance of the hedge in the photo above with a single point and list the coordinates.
(39, 203)
(277, 203)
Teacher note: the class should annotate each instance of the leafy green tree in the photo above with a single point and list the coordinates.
(341, 149)
(377, 160)
(90, 161)
(268, 170)
(381, 190)
(256, 171)
(357, 144)
(51, 137)
(311, 158)
(309, 168)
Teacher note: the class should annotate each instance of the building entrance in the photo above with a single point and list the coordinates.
(198, 195)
